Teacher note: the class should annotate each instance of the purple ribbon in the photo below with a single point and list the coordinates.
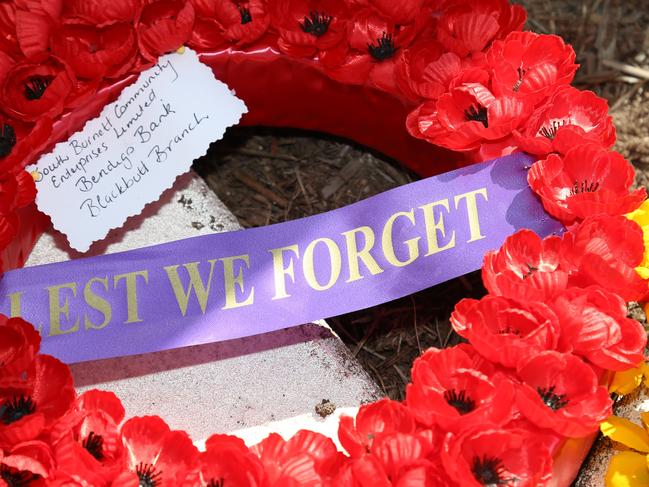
(263, 279)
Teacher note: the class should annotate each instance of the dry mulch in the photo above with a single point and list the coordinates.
(268, 176)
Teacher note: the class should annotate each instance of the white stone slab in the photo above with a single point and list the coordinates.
(258, 384)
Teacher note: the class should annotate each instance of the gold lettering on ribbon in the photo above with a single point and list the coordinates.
(432, 227)
(280, 270)
(388, 243)
(472, 211)
(355, 256)
(195, 283)
(308, 264)
(57, 309)
(231, 281)
(131, 293)
(15, 300)
(98, 303)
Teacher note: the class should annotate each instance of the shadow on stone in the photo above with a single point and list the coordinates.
(100, 371)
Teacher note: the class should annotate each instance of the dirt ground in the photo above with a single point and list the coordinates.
(268, 176)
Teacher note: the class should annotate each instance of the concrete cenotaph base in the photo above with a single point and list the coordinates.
(253, 385)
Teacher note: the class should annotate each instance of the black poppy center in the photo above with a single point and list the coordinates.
(460, 401)
(530, 270)
(489, 471)
(16, 478)
(384, 48)
(477, 114)
(508, 330)
(148, 475)
(521, 74)
(94, 444)
(246, 17)
(16, 408)
(550, 131)
(216, 483)
(316, 23)
(35, 87)
(584, 186)
(7, 140)
(551, 399)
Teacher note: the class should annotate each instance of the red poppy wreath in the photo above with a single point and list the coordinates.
(452, 81)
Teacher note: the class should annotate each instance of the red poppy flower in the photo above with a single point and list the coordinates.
(100, 12)
(604, 251)
(155, 455)
(96, 52)
(561, 393)
(365, 471)
(35, 21)
(28, 463)
(505, 331)
(19, 344)
(26, 412)
(26, 189)
(491, 456)
(8, 39)
(455, 390)
(404, 459)
(571, 117)
(16, 191)
(493, 150)
(530, 65)
(426, 69)
(403, 12)
(207, 33)
(396, 459)
(310, 27)
(164, 26)
(372, 420)
(21, 142)
(525, 268)
(220, 22)
(32, 91)
(468, 26)
(594, 324)
(375, 43)
(227, 461)
(87, 442)
(308, 458)
(588, 180)
(467, 116)
(6, 64)
(52, 8)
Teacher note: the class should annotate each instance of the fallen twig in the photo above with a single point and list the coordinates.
(634, 71)
(269, 155)
(260, 188)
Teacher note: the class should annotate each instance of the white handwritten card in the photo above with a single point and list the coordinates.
(135, 149)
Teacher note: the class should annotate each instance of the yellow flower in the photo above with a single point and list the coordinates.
(641, 217)
(628, 468)
(625, 382)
